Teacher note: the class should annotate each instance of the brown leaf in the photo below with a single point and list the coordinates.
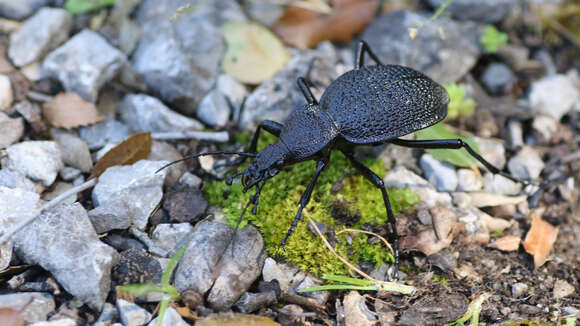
(11, 317)
(304, 29)
(69, 110)
(135, 148)
(506, 243)
(540, 238)
(236, 319)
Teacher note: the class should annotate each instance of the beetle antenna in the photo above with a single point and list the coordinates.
(205, 154)
(231, 178)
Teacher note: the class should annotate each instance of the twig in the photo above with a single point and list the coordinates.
(371, 233)
(46, 207)
(38, 97)
(342, 259)
(219, 137)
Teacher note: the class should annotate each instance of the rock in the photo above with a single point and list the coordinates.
(264, 11)
(467, 180)
(37, 160)
(197, 268)
(11, 130)
(214, 109)
(441, 174)
(444, 60)
(5, 254)
(519, 289)
(526, 164)
(6, 93)
(84, 63)
(239, 268)
(185, 204)
(121, 243)
(63, 242)
(291, 279)
(57, 322)
(126, 195)
(162, 151)
(190, 180)
(75, 151)
(36, 306)
(488, 12)
(250, 302)
(500, 185)
(105, 132)
(119, 29)
(142, 112)
(483, 199)
(444, 259)
(179, 60)
(131, 314)
(108, 315)
(58, 188)
(169, 236)
(401, 177)
(276, 97)
(563, 289)
(20, 9)
(497, 77)
(39, 34)
(136, 266)
(426, 311)
(554, 95)
(356, 311)
(492, 151)
(69, 173)
(544, 127)
(235, 92)
(171, 318)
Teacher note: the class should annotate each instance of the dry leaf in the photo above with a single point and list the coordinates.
(540, 238)
(69, 110)
(185, 312)
(236, 319)
(506, 243)
(304, 29)
(11, 317)
(254, 54)
(135, 148)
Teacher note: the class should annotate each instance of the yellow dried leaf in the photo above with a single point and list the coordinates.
(69, 110)
(135, 148)
(253, 54)
(506, 243)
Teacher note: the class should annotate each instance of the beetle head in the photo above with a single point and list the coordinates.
(266, 165)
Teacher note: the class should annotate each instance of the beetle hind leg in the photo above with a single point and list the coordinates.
(363, 48)
(378, 182)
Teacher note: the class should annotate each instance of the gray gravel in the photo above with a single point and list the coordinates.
(38, 160)
(11, 130)
(36, 306)
(84, 64)
(42, 32)
(64, 243)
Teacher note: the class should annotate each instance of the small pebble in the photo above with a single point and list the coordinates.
(519, 289)
(441, 174)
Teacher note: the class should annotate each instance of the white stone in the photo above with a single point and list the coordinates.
(6, 95)
(554, 95)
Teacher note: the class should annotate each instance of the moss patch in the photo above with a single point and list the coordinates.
(279, 203)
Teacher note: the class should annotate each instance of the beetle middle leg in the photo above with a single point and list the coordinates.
(320, 165)
(454, 144)
(378, 182)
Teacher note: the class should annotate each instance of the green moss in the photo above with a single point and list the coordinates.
(279, 203)
(440, 279)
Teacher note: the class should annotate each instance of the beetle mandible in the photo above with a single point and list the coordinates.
(369, 105)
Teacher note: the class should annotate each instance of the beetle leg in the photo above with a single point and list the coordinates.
(322, 163)
(454, 144)
(270, 126)
(303, 85)
(360, 55)
(378, 182)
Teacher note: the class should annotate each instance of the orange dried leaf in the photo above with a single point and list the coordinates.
(184, 312)
(69, 110)
(12, 317)
(506, 243)
(304, 29)
(135, 148)
(540, 239)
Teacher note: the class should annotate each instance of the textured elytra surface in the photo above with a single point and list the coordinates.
(378, 103)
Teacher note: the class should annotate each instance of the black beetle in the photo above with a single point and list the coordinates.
(369, 105)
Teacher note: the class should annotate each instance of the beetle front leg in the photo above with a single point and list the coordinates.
(273, 127)
(378, 182)
(360, 55)
(322, 163)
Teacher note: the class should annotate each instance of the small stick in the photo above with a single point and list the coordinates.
(219, 137)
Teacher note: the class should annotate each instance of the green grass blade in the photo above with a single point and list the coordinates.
(347, 280)
(456, 157)
(171, 266)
